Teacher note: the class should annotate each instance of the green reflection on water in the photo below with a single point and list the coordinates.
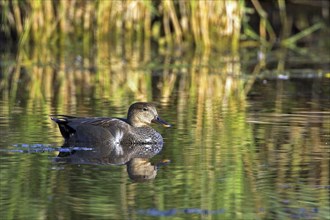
(261, 156)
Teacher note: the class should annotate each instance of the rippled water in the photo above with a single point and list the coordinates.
(264, 155)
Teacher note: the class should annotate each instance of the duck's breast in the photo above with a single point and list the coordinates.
(144, 135)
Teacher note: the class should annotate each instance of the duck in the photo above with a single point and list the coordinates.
(135, 129)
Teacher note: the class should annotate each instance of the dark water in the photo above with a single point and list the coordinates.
(243, 145)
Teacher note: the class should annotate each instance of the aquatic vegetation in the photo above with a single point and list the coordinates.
(170, 22)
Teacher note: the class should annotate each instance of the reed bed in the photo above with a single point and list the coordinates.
(202, 24)
(168, 22)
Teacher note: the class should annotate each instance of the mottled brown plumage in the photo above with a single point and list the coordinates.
(134, 129)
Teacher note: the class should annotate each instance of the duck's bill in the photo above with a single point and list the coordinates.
(158, 120)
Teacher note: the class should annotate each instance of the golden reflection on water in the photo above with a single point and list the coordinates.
(250, 165)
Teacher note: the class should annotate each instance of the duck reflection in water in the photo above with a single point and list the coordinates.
(135, 157)
(128, 141)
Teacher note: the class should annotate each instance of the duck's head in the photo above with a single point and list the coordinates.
(142, 114)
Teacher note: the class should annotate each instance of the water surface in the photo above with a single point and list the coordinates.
(243, 145)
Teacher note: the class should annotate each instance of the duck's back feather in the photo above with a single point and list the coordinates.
(68, 125)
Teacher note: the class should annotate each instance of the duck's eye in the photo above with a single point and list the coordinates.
(145, 109)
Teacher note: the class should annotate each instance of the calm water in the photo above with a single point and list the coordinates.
(243, 145)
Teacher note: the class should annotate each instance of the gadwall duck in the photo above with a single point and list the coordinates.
(133, 130)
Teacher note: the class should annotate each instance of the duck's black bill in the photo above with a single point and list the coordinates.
(158, 120)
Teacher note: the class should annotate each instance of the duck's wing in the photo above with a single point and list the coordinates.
(68, 125)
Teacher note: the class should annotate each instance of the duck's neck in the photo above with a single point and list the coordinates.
(134, 121)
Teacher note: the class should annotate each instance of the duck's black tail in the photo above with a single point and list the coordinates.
(63, 124)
